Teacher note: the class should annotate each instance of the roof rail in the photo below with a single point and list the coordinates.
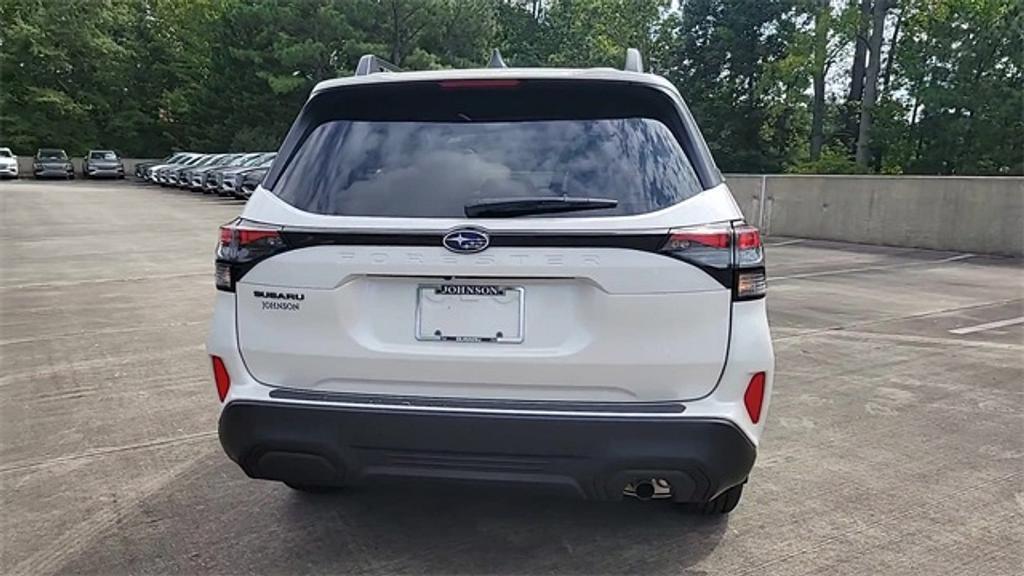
(496, 60)
(634, 62)
(370, 64)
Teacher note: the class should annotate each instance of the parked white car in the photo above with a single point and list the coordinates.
(8, 164)
(497, 275)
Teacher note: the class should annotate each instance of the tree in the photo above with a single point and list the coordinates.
(794, 85)
(859, 11)
(520, 33)
(822, 62)
(733, 62)
(51, 95)
(597, 32)
(867, 105)
(962, 66)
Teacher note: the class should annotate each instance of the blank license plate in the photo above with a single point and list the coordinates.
(469, 313)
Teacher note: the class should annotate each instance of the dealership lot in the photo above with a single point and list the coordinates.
(895, 441)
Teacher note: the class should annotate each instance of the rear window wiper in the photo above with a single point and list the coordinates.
(512, 207)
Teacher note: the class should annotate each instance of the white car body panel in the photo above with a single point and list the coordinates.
(600, 324)
(603, 324)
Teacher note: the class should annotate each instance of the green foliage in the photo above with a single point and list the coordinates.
(832, 161)
(730, 59)
(148, 76)
(964, 70)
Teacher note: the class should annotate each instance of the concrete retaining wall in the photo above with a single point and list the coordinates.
(965, 214)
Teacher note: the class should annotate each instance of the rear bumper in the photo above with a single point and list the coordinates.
(592, 456)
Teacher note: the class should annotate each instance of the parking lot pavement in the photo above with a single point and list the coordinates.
(895, 441)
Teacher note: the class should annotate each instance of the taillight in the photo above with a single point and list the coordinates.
(751, 282)
(753, 398)
(242, 245)
(221, 377)
(732, 253)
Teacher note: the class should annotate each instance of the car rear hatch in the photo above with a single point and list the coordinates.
(373, 281)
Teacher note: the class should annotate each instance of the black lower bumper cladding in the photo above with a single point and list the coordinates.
(593, 456)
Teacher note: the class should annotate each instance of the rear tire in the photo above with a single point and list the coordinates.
(725, 502)
(313, 488)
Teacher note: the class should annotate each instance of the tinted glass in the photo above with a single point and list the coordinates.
(4, 153)
(434, 169)
(102, 155)
(52, 154)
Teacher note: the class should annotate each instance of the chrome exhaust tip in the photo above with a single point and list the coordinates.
(643, 490)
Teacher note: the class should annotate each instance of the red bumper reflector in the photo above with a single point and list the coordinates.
(754, 397)
(220, 376)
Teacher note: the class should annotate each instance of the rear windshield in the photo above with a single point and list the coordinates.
(429, 153)
(434, 169)
(102, 155)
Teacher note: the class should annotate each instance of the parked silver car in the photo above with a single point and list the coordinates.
(52, 163)
(102, 164)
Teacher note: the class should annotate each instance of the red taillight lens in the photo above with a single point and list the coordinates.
(242, 244)
(747, 238)
(705, 245)
(221, 377)
(708, 238)
(749, 250)
(753, 398)
(247, 236)
(241, 235)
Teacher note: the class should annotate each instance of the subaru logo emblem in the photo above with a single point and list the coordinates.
(466, 240)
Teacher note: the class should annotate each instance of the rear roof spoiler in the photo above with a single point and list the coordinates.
(370, 64)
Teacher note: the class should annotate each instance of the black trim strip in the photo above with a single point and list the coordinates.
(478, 404)
(643, 242)
(296, 239)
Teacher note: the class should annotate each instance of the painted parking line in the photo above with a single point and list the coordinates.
(956, 258)
(987, 326)
(786, 242)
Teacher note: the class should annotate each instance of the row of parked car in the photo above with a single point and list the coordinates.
(232, 174)
(55, 163)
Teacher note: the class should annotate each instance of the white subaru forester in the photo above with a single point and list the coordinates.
(497, 275)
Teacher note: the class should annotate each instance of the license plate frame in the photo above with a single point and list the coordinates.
(438, 290)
